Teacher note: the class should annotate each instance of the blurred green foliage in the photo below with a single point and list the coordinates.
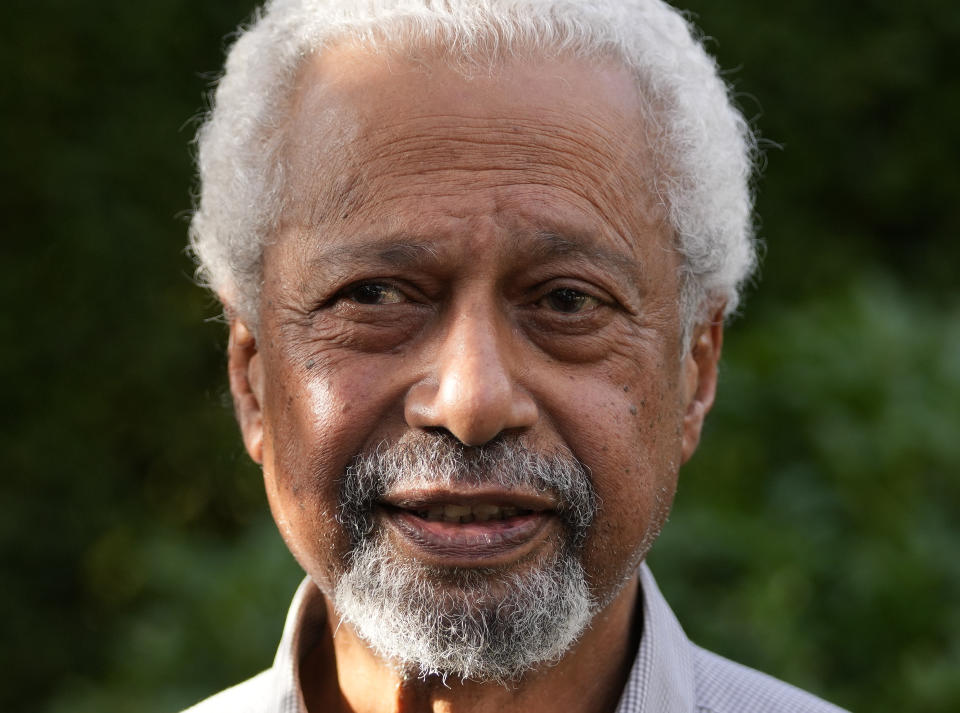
(814, 535)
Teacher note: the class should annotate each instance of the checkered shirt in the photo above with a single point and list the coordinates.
(669, 673)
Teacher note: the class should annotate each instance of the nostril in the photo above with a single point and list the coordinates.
(441, 433)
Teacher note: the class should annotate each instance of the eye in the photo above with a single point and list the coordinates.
(373, 293)
(569, 301)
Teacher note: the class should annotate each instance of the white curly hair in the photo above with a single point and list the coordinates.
(705, 149)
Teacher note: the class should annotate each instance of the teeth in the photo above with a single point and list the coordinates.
(482, 513)
(457, 513)
(466, 513)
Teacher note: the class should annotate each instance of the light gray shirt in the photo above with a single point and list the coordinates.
(669, 674)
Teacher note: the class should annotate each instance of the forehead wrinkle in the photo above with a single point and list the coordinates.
(598, 171)
(564, 145)
(421, 145)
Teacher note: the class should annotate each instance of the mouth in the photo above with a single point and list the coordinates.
(468, 529)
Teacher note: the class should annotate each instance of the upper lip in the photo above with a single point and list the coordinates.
(425, 498)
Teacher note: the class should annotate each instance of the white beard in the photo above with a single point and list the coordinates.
(473, 625)
(477, 624)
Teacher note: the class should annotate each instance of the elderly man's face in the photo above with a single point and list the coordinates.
(476, 261)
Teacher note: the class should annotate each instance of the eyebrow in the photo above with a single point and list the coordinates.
(551, 244)
(395, 251)
(404, 250)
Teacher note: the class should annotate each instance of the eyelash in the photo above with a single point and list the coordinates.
(381, 286)
(587, 303)
(580, 296)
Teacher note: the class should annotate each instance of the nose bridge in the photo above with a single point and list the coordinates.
(474, 363)
(475, 393)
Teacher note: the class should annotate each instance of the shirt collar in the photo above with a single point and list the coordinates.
(661, 679)
(306, 623)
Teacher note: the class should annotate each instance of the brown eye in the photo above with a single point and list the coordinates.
(569, 301)
(373, 293)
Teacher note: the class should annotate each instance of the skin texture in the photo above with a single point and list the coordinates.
(484, 256)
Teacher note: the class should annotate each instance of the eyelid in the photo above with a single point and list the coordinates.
(590, 290)
(409, 292)
(384, 288)
(588, 305)
(610, 289)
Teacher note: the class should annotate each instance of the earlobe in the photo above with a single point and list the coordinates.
(245, 370)
(700, 376)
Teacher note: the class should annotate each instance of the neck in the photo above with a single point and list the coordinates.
(345, 675)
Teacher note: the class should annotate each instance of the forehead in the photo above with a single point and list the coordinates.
(375, 140)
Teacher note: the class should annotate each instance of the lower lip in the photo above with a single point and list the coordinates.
(475, 544)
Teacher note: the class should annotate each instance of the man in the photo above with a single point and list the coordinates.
(476, 258)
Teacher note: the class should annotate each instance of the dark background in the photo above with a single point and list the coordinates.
(815, 532)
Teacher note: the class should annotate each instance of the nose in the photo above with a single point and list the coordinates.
(472, 391)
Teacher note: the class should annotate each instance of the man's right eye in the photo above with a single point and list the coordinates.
(373, 293)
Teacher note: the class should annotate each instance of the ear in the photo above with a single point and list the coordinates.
(700, 378)
(245, 369)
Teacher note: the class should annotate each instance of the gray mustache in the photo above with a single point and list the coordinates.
(437, 458)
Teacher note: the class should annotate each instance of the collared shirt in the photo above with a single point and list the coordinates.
(669, 673)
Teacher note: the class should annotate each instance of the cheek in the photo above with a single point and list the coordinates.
(316, 421)
(626, 432)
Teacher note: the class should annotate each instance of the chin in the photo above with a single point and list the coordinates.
(473, 624)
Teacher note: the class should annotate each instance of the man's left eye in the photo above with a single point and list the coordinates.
(569, 301)
(373, 293)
